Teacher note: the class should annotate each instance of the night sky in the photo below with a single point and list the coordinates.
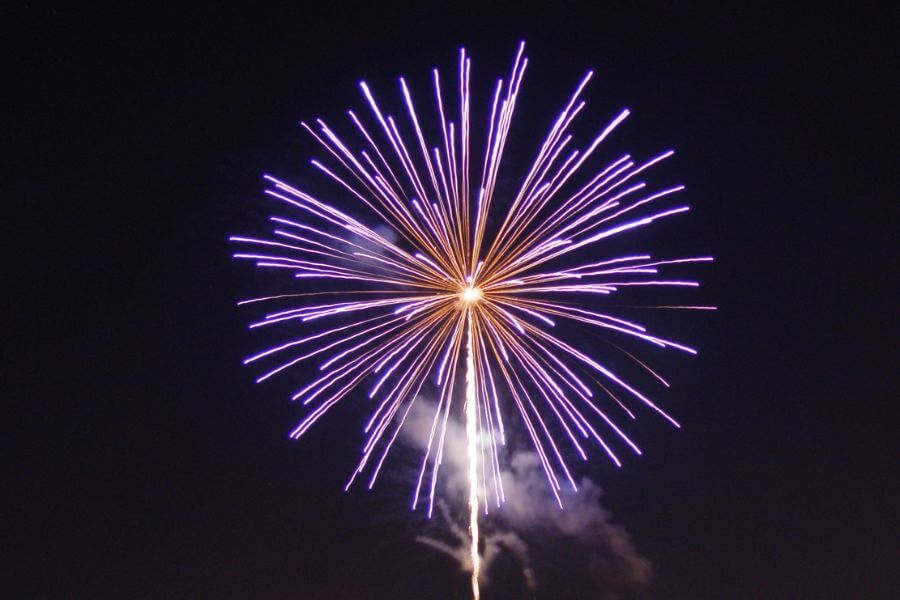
(144, 462)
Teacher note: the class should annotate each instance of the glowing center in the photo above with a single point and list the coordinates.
(470, 294)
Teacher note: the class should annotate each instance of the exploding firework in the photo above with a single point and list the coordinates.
(423, 282)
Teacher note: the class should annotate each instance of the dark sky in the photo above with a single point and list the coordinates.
(145, 463)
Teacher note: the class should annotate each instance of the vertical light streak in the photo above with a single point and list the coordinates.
(472, 443)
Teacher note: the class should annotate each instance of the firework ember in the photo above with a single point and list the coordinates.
(423, 277)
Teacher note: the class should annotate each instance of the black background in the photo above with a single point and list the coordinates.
(144, 463)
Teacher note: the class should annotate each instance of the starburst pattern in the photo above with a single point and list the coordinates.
(430, 282)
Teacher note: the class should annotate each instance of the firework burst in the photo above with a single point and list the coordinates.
(428, 285)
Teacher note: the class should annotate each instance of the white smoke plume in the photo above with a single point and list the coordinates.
(578, 544)
(494, 543)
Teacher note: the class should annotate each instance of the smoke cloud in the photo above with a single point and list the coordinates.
(578, 552)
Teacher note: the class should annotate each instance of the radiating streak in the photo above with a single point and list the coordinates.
(571, 411)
